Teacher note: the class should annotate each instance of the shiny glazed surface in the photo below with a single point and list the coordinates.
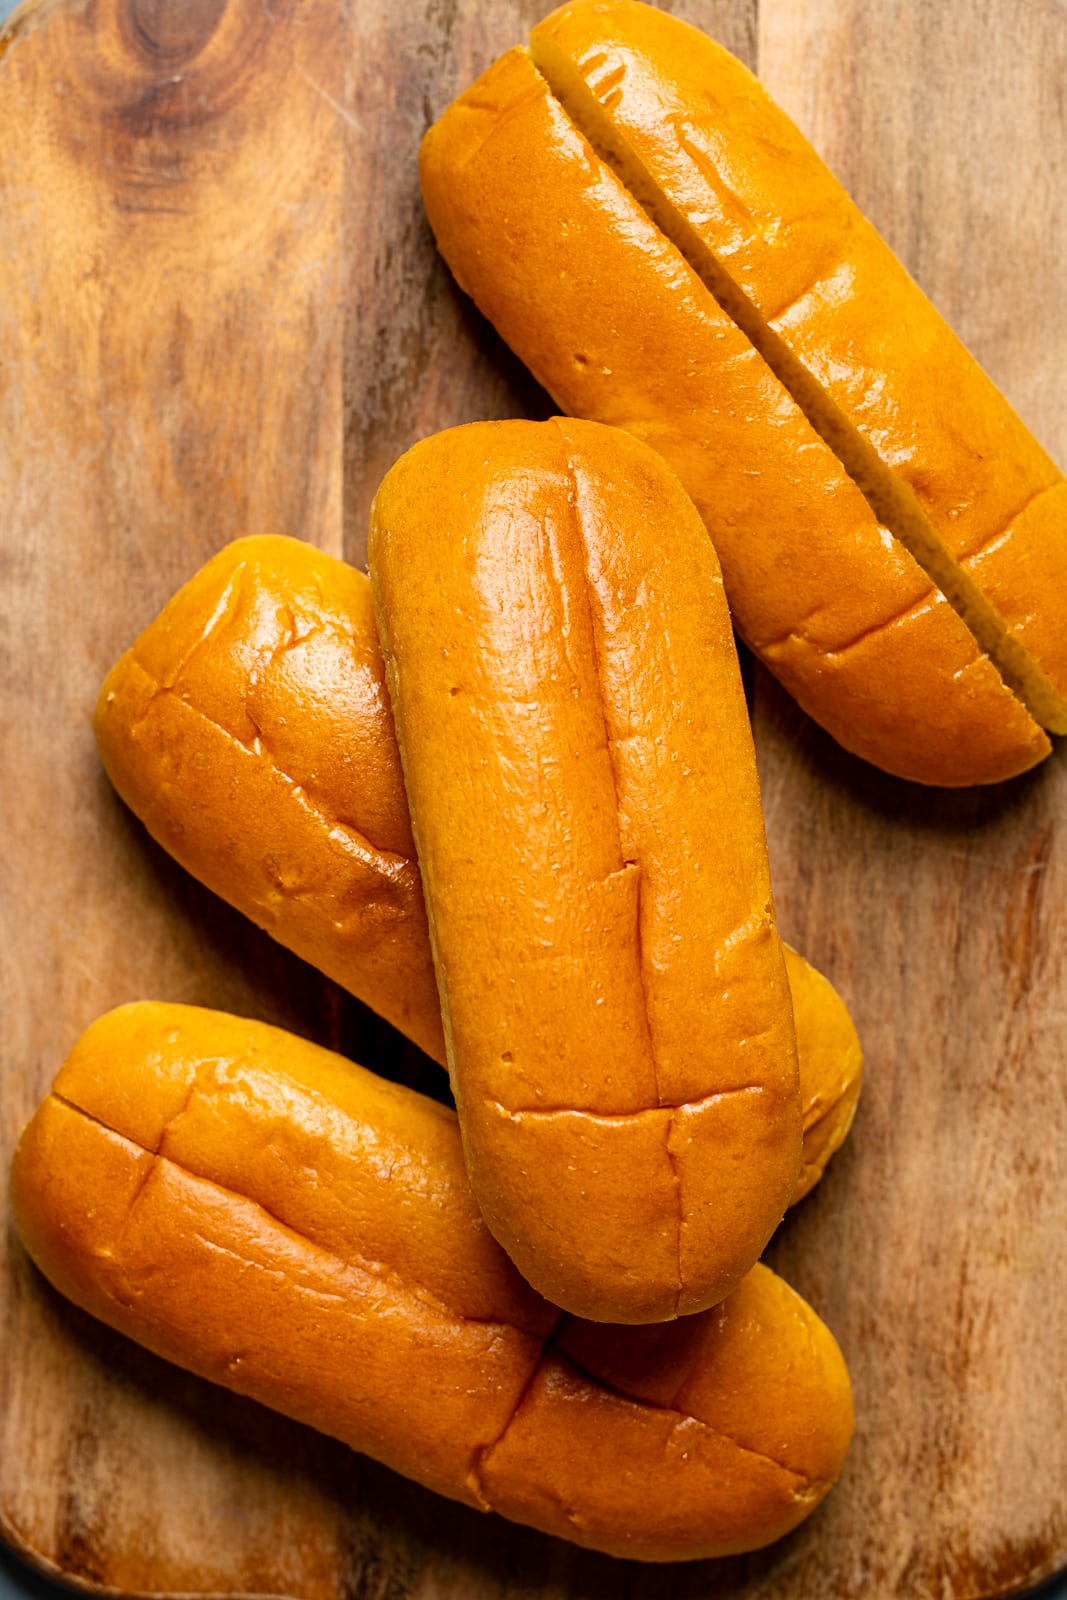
(248, 727)
(824, 280)
(209, 790)
(615, 323)
(281, 1221)
(583, 792)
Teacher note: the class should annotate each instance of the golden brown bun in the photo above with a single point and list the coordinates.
(218, 805)
(583, 794)
(278, 1220)
(616, 324)
(831, 1067)
(818, 275)
(249, 729)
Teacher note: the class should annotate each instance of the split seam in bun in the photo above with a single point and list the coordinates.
(892, 501)
(161, 1187)
(388, 1277)
(628, 857)
(186, 766)
(620, 959)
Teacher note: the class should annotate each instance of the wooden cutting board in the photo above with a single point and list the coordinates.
(220, 313)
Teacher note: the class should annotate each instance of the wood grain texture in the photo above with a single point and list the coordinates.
(222, 313)
(948, 125)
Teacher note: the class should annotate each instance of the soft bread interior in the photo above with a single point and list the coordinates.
(891, 500)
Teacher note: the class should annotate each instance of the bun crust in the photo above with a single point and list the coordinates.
(968, 476)
(831, 1067)
(249, 729)
(197, 790)
(583, 793)
(615, 322)
(280, 1221)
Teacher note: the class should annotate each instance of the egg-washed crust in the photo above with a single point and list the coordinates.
(248, 728)
(594, 281)
(278, 1220)
(961, 482)
(263, 834)
(583, 792)
(831, 1067)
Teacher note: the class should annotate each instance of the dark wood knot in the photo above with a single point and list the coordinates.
(169, 32)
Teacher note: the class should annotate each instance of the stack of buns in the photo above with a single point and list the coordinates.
(526, 827)
(242, 752)
(505, 792)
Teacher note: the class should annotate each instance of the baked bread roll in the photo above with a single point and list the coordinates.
(256, 761)
(830, 1065)
(249, 729)
(583, 794)
(280, 1221)
(663, 249)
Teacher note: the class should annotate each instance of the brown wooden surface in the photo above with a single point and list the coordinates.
(220, 313)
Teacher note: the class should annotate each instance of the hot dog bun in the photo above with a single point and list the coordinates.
(615, 316)
(831, 1067)
(210, 791)
(965, 485)
(282, 1222)
(583, 793)
(249, 729)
